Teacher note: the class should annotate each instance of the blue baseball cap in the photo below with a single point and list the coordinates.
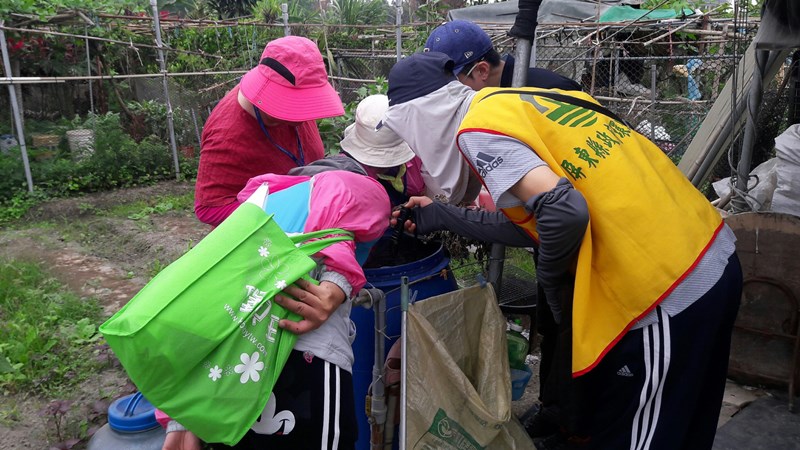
(461, 40)
(419, 75)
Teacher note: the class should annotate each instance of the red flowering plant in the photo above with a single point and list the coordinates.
(15, 46)
(27, 47)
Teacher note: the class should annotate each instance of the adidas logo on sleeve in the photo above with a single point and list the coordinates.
(486, 163)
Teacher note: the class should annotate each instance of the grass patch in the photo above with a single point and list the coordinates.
(48, 335)
(467, 270)
(159, 205)
(522, 259)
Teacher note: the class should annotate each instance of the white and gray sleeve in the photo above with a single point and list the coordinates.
(501, 161)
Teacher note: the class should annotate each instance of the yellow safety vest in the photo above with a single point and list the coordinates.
(648, 225)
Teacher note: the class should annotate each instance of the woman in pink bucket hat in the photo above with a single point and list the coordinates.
(266, 124)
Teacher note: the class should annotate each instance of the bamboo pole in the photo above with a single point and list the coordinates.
(89, 73)
(682, 26)
(32, 80)
(112, 41)
(226, 23)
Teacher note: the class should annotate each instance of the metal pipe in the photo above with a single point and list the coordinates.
(398, 22)
(12, 93)
(163, 65)
(285, 13)
(738, 201)
(196, 128)
(522, 55)
(403, 359)
(388, 430)
(378, 403)
(497, 256)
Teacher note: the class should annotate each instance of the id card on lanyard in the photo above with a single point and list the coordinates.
(299, 159)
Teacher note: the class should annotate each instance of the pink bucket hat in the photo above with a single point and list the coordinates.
(290, 83)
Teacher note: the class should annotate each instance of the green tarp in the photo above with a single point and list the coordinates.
(627, 14)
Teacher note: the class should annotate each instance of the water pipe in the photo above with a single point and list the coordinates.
(403, 359)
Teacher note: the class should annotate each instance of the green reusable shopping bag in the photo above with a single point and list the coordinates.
(201, 340)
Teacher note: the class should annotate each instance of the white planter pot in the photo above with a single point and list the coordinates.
(81, 143)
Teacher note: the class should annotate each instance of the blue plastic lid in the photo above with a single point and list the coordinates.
(132, 414)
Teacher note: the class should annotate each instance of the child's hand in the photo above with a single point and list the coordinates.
(313, 303)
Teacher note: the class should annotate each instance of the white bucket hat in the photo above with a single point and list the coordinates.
(376, 147)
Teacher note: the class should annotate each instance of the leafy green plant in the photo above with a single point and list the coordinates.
(269, 11)
(156, 266)
(146, 212)
(43, 8)
(150, 119)
(332, 129)
(46, 332)
(158, 205)
(19, 204)
(358, 12)
(231, 8)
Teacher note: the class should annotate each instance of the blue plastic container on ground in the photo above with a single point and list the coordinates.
(131, 425)
(519, 381)
(434, 277)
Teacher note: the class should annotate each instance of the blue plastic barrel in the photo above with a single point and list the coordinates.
(433, 277)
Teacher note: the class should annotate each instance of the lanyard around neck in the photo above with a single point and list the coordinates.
(300, 159)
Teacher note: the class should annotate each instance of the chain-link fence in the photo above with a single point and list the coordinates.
(660, 77)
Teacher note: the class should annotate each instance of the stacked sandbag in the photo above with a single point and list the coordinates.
(786, 198)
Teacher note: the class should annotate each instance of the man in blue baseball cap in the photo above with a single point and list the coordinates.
(477, 64)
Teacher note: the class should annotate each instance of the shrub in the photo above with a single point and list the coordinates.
(332, 129)
(12, 174)
(150, 119)
(116, 161)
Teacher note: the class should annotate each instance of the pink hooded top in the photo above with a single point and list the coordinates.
(339, 199)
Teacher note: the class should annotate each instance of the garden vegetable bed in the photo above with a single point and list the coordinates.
(104, 246)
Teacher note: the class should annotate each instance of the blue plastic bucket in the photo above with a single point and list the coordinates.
(434, 277)
(519, 381)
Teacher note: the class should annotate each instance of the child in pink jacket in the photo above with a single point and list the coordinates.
(312, 404)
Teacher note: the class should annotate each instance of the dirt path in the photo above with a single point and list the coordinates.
(102, 255)
(96, 255)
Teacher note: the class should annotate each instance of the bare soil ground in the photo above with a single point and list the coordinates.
(95, 255)
(110, 258)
